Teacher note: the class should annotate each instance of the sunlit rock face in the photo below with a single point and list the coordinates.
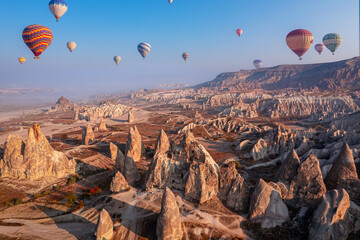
(34, 159)
(88, 136)
(104, 226)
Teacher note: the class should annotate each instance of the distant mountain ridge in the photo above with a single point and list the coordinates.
(324, 76)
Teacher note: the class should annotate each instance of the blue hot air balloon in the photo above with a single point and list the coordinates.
(58, 8)
(144, 49)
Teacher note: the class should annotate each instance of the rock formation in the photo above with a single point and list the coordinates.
(62, 104)
(267, 207)
(238, 195)
(102, 126)
(130, 171)
(169, 220)
(131, 117)
(134, 146)
(331, 219)
(104, 226)
(308, 185)
(288, 168)
(76, 115)
(88, 136)
(343, 168)
(162, 144)
(35, 159)
(226, 181)
(117, 156)
(119, 184)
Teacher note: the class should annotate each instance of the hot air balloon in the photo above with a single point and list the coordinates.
(58, 8)
(117, 59)
(144, 49)
(38, 38)
(258, 63)
(332, 41)
(299, 41)
(71, 46)
(170, 1)
(185, 56)
(319, 48)
(22, 60)
(239, 32)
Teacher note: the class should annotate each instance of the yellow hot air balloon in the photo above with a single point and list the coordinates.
(71, 46)
(22, 60)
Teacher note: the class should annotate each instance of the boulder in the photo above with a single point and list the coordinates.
(104, 226)
(88, 136)
(119, 184)
(343, 168)
(331, 218)
(169, 220)
(226, 181)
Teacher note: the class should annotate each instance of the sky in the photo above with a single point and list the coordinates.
(204, 29)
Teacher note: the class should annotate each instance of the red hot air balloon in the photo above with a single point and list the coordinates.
(239, 32)
(299, 41)
(37, 38)
(320, 48)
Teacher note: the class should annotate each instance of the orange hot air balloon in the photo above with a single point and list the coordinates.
(299, 41)
(22, 60)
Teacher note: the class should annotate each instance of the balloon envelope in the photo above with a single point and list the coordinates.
(22, 60)
(38, 38)
(170, 1)
(258, 63)
(299, 41)
(117, 59)
(332, 41)
(239, 32)
(71, 46)
(58, 8)
(185, 56)
(144, 49)
(319, 48)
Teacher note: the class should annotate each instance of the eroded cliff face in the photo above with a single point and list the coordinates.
(34, 159)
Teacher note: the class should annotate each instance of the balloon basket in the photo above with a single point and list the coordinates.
(36, 58)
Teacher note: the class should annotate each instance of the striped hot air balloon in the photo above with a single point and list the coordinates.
(71, 46)
(319, 48)
(185, 56)
(239, 32)
(170, 1)
(144, 49)
(332, 41)
(58, 8)
(299, 41)
(258, 63)
(22, 60)
(38, 38)
(117, 59)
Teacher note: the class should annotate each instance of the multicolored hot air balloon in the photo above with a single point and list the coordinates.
(332, 41)
(319, 48)
(239, 32)
(144, 49)
(71, 46)
(58, 8)
(299, 41)
(170, 1)
(185, 56)
(22, 60)
(117, 59)
(38, 38)
(258, 63)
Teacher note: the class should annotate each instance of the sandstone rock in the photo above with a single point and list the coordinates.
(96, 129)
(76, 115)
(203, 106)
(343, 168)
(162, 143)
(169, 220)
(35, 159)
(119, 184)
(331, 219)
(117, 156)
(131, 117)
(238, 195)
(102, 126)
(267, 207)
(62, 104)
(226, 181)
(88, 136)
(104, 226)
(131, 172)
(203, 180)
(259, 150)
(288, 168)
(308, 185)
(134, 145)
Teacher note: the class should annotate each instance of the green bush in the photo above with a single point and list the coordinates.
(17, 201)
(45, 193)
(37, 195)
(71, 198)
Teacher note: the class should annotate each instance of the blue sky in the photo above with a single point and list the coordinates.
(204, 29)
